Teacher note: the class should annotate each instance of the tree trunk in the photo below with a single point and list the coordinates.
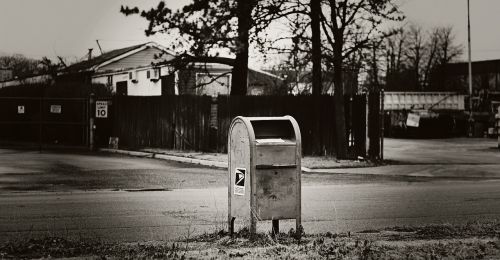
(239, 76)
(340, 139)
(317, 86)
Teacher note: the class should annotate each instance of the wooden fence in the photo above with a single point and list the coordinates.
(188, 123)
(173, 122)
(315, 116)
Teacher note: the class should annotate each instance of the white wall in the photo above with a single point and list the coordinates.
(143, 87)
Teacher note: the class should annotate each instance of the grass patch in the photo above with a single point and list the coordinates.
(471, 241)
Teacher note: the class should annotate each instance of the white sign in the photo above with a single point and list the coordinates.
(101, 109)
(239, 181)
(55, 109)
(20, 109)
(413, 120)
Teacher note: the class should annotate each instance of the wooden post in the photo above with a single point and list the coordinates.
(91, 122)
(382, 124)
(212, 143)
(471, 116)
(40, 126)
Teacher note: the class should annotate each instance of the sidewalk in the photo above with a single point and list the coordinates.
(309, 163)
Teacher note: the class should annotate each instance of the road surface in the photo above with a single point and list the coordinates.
(120, 198)
(177, 214)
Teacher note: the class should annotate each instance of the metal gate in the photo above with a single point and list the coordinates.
(45, 121)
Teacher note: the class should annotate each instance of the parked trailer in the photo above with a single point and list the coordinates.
(433, 114)
(423, 101)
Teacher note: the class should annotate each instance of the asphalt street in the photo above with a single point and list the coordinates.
(178, 214)
(120, 198)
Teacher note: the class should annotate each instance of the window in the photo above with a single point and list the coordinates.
(212, 84)
(132, 76)
(110, 80)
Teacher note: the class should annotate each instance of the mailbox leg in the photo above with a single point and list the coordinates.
(231, 226)
(253, 226)
(276, 227)
(298, 227)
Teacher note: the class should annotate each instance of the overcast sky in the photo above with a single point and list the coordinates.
(67, 28)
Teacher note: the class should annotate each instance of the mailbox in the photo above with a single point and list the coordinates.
(264, 171)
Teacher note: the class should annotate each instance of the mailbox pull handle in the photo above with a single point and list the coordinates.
(271, 166)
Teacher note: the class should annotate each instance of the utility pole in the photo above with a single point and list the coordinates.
(317, 83)
(471, 119)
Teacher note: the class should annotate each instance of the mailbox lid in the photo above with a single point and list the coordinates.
(273, 129)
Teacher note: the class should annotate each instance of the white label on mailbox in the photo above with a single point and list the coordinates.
(239, 181)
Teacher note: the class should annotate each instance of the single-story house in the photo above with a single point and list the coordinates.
(134, 71)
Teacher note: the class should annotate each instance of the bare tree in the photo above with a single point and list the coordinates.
(414, 56)
(315, 14)
(349, 26)
(394, 47)
(448, 49)
(431, 48)
(414, 53)
(22, 66)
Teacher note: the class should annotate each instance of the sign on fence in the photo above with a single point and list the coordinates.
(101, 109)
(413, 120)
(20, 109)
(55, 109)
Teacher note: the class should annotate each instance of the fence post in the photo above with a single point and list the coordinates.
(91, 121)
(40, 125)
(382, 123)
(374, 125)
(213, 125)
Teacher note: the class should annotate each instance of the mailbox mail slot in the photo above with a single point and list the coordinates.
(264, 170)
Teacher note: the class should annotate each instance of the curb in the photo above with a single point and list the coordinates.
(221, 165)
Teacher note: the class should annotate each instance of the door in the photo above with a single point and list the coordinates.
(121, 88)
(168, 85)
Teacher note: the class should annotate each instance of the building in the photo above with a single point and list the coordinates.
(143, 70)
(485, 82)
(214, 79)
(5, 74)
(127, 71)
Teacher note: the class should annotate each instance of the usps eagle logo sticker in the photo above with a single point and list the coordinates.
(239, 181)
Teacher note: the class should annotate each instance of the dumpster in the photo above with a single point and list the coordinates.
(264, 171)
